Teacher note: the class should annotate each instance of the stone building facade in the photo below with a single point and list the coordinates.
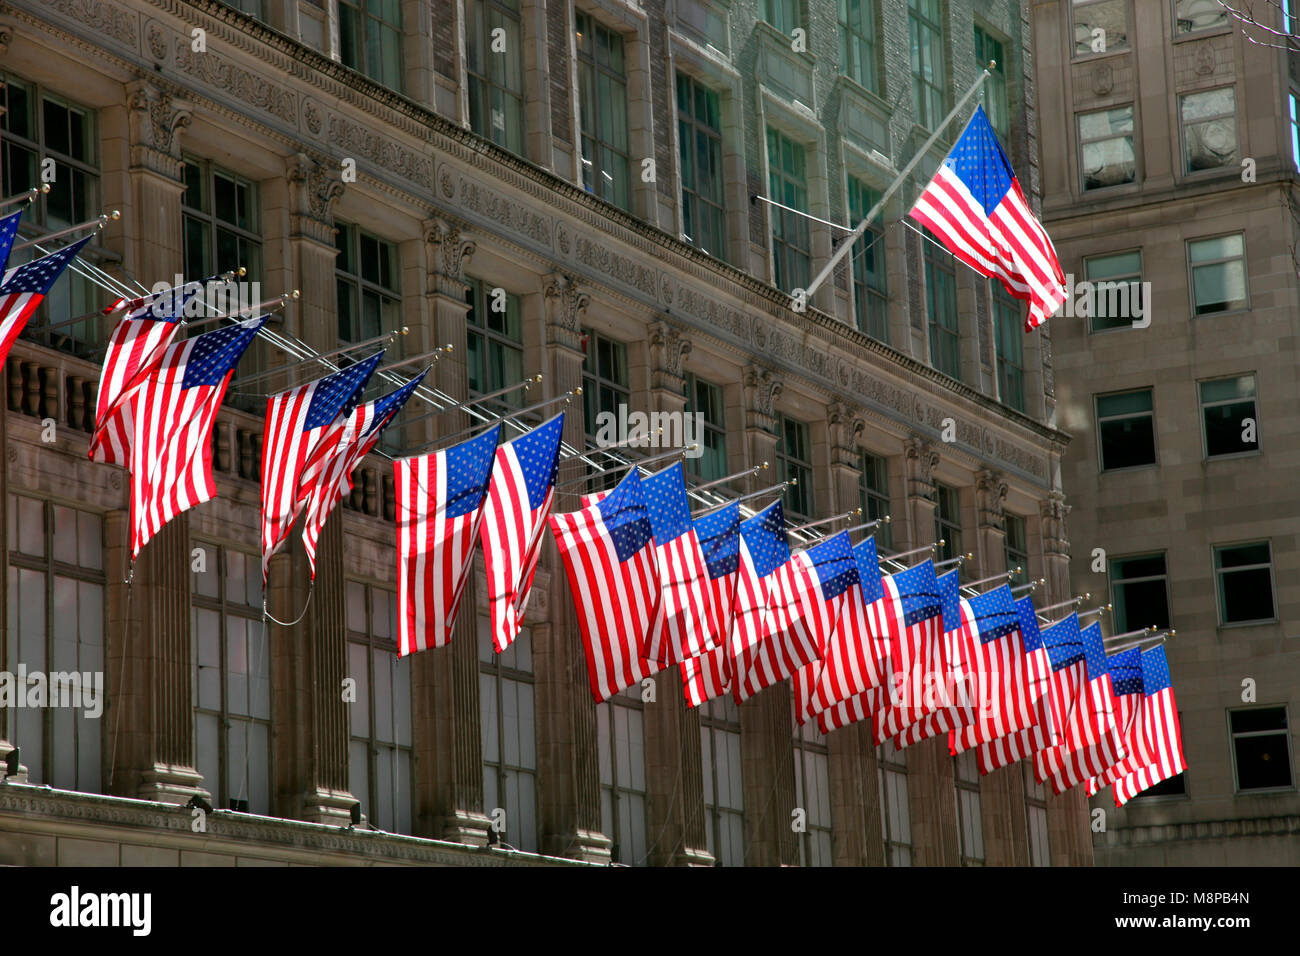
(1170, 157)
(551, 188)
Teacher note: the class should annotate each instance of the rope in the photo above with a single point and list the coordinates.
(268, 616)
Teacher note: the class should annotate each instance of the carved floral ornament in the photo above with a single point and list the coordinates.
(764, 389)
(452, 248)
(318, 185)
(567, 300)
(158, 119)
(669, 348)
(992, 491)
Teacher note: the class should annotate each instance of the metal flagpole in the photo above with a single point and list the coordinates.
(1154, 638)
(566, 398)
(526, 384)
(1127, 634)
(386, 338)
(1031, 587)
(905, 554)
(29, 196)
(97, 223)
(1105, 608)
(968, 556)
(138, 301)
(813, 524)
(996, 577)
(623, 467)
(278, 302)
(722, 481)
(753, 494)
(847, 242)
(867, 524)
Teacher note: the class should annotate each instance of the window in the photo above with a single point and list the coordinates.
(1127, 424)
(706, 399)
(1100, 26)
(232, 681)
(724, 787)
(929, 74)
(970, 825)
(941, 307)
(1228, 416)
(1261, 748)
(787, 184)
(1106, 156)
(895, 815)
(858, 42)
(620, 726)
(1009, 345)
(1218, 274)
(1193, 15)
(1210, 130)
(873, 490)
(870, 298)
(1116, 290)
(1173, 787)
(251, 7)
(602, 82)
(509, 735)
(370, 39)
(36, 126)
(365, 275)
(794, 455)
(782, 14)
(947, 521)
(1016, 549)
(1245, 582)
(699, 141)
(1040, 853)
(379, 746)
(996, 103)
(494, 342)
(1295, 130)
(1139, 592)
(812, 782)
(604, 378)
(56, 626)
(496, 82)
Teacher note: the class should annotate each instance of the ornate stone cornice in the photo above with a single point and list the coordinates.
(313, 187)
(566, 303)
(762, 389)
(1056, 535)
(668, 351)
(921, 460)
(6, 35)
(847, 425)
(991, 495)
(450, 251)
(156, 121)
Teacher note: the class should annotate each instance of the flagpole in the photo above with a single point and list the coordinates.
(1030, 587)
(813, 524)
(279, 302)
(968, 556)
(1073, 602)
(617, 468)
(566, 398)
(996, 577)
(846, 243)
(435, 355)
(525, 385)
(1157, 638)
(1127, 634)
(904, 554)
(722, 481)
(97, 224)
(138, 301)
(867, 524)
(753, 494)
(28, 197)
(1097, 610)
(386, 338)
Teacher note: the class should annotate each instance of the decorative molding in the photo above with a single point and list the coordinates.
(921, 459)
(213, 71)
(103, 18)
(762, 389)
(847, 425)
(361, 142)
(7, 29)
(313, 187)
(991, 496)
(668, 351)
(156, 121)
(1165, 834)
(1054, 513)
(450, 252)
(566, 303)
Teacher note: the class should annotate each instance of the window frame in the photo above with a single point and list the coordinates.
(947, 527)
(1008, 309)
(918, 20)
(893, 762)
(1155, 433)
(363, 66)
(354, 235)
(1178, 35)
(1134, 147)
(709, 430)
(499, 668)
(1016, 556)
(620, 794)
(1286, 733)
(876, 501)
(933, 265)
(966, 785)
(1113, 582)
(1203, 405)
(870, 301)
(791, 262)
(1192, 267)
(852, 42)
(487, 87)
(1230, 168)
(720, 718)
(478, 294)
(691, 197)
(589, 71)
(1218, 572)
(808, 742)
(1109, 51)
(1036, 800)
(997, 84)
(789, 464)
(1093, 329)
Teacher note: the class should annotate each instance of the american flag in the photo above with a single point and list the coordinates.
(173, 412)
(1043, 733)
(1125, 669)
(296, 421)
(1001, 674)
(916, 629)
(685, 625)
(709, 675)
(519, 500)
(8, 233)
(1162, 734)
(975, 207)
(608, 555)
(955, 692)
(1091, 740)
(24, 287)
(134, 350)
(832, 575)
(439, 506)
(349, 440)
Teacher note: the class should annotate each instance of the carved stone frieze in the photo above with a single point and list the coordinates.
(157, 120)
(847, 426)
(921, 460)
(450, 251)
(991, 496)
(668, 351)
(313, 187)
(762, 389)
(565, 305)
(212, 70)
(1056, 535)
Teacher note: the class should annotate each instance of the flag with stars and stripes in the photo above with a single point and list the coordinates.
(173, 412)
(296, 422)
(685, 625)
(440, 503)
(954, 693)
(832, 575)
(1125, 669)
(1090, 739)
(916, 629)
(609, 558)
(709, 675)
(134, 350)
(8, 233)
(1042, 733)
(1162, 735)
(1001, 675)
(349, 440)
(520, 496)
(24, 287)
(975, 207)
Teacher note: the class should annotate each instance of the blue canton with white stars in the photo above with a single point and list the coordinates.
(978, 161)
(169, 305)
(469, 468)
(215, 353)
(666, 502)
(868, 562)
(836, 568)
(919, 590)
(1155, 671)
(1094, 650)
(719, 535)
(39, 276)
(950, 601)
(1031, 638)
(338, 393)
(1126, 671)
(623, 512)
(538, 453)
(1063, 642)
(8, 232)
(995, 614)
(387, 406)
(764, 535)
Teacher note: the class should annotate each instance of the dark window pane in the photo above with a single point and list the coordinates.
(1247, 595)
(1173, 787)
(1128, 442)
(1262, 762)
(1258, 719)
(1224, 427)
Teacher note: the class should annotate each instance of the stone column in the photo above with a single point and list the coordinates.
(309, 658)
